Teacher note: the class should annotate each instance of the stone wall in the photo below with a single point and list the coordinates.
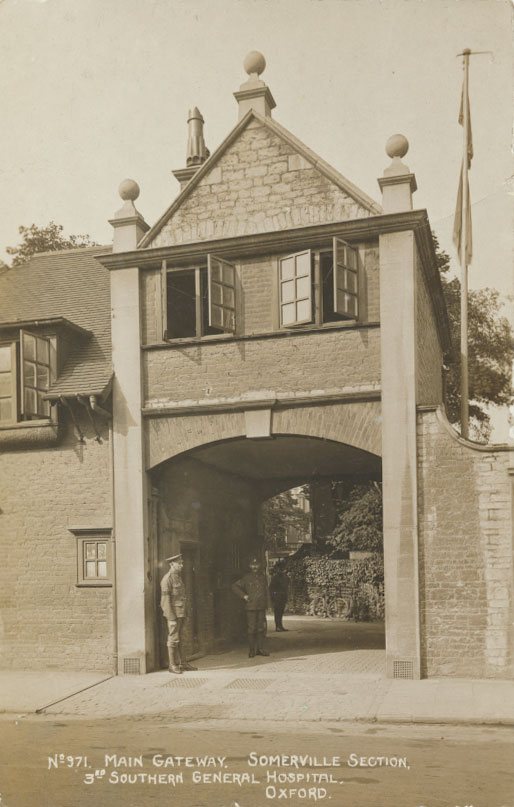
(466, 553)
(259, 184)
(429, 357)
(46, 621)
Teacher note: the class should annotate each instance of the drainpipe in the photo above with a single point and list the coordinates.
(113, 540)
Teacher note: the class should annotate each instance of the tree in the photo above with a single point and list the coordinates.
(280, 513)
(491, 351)
(45, 239)
(359, 518)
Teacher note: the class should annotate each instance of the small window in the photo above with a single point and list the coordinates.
(27, 370)
(199, 301)
(94, 557)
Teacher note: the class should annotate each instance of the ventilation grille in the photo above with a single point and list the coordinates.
(249, 683)
(403, 669)
(131, 666)
(185, 683)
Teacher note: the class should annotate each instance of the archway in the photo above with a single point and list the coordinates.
(209, 501)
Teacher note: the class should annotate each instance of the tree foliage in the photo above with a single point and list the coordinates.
(45, 239)
(278, 514)
(359, 524)
(490, 350)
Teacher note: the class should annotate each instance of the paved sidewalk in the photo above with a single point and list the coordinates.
(321, 670)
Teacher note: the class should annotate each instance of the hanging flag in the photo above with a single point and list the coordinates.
(459, 208)
(461, 121)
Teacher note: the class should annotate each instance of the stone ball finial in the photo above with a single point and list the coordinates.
(254, 62)
(397, 146)
(129, 189)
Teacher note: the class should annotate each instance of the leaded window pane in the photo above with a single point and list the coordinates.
(91, 568)
(5, 358)
(102, 568)
(288, 313)
(288, 291)
(5, 384)
(102, 550)
(287, 268)
(29, 373)
(304, 310)
(303, 287)
(43, 353)
(5, 409)
(29, 346)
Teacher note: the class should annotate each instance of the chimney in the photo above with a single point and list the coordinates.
(254, 93)
(197, 152)
(397, 184)
(128, 223)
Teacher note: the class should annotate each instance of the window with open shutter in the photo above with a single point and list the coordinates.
(295, 288)
(36, 374)
(222, 294)
(8, 406)
(346, 285)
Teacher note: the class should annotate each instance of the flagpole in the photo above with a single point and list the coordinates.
(464, 378)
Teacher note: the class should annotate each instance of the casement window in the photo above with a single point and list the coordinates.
(27, 369)
(319, 286)
(94, 556)
(199, 301)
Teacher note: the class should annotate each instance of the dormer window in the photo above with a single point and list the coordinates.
(27, 369)
(199, 301)
(334, 272)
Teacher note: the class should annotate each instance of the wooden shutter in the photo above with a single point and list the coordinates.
(222, 294)
(35, 374)
(8, 402)
(295, 285)
(164, 301)
(346, 279)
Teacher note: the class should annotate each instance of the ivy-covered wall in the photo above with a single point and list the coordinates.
(330, 587)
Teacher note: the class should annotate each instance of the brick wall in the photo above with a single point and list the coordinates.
(260, 184)
(46, 621)
(465, 533)
(257, 295)
(300, 362)
(429, 357)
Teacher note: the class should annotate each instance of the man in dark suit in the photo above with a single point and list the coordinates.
(278, 592)
(253, 589)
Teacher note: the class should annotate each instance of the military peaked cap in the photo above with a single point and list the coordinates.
(174, 557)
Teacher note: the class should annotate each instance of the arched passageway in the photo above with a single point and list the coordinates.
(207, 504)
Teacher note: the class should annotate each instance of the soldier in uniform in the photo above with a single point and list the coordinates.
(278, 592)
(253, 589)
(173, 605)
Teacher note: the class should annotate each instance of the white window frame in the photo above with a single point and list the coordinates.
(13, 377)
(221, 295)
(85, 536)
(21, 413)
(285, 298)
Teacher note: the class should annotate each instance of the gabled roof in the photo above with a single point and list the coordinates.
(323, 167)
(69, 285)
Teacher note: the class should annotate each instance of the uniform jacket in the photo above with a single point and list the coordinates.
(255, 586)
(278, 586)
(173, 595)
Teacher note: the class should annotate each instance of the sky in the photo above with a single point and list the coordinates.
(95, 91)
